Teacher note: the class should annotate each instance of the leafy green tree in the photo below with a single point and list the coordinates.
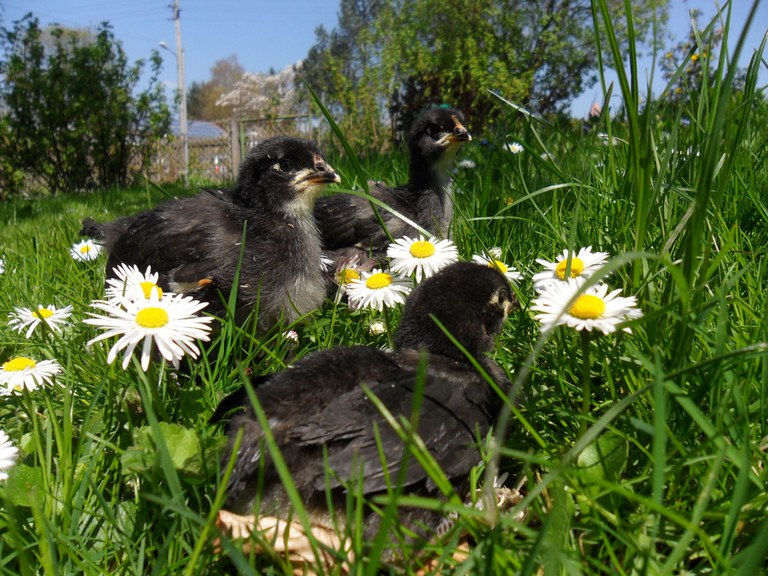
(202, 97)
(692, 63)
(402, 55)
(73, 119)
(342, 68)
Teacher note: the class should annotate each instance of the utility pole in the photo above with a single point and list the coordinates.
(183, 89)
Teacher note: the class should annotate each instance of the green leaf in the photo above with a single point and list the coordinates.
(23, 484)
(605, 458)
(183, 445)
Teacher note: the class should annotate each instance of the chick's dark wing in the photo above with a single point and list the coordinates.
(172, 236)
(450, 421)
(294, 397)
(348, 220)
(344, 220)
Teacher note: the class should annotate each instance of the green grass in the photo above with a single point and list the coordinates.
(119, 470)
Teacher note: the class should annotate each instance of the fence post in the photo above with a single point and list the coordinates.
(234, 145)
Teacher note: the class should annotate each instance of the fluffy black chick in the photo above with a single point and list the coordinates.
(264, 225)
(348, 224)
(319, 411)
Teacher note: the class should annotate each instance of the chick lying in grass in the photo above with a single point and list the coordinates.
(359, 420)
(259, 238)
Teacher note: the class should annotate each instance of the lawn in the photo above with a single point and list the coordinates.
(635, 453)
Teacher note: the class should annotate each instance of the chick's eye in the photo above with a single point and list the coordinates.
(284, 165)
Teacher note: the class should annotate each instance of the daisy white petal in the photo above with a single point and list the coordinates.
(2, 266)
(25, 373)
(171, 324)
(514, 147)
(377, 289)
(493, 260)
(594, 309)
(25, 318)
(129, 282)
(325, 263)
(582, 265)
(85, 250)
(8, 455)
(422, 257)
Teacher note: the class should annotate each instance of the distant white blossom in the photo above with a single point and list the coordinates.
(85, 250)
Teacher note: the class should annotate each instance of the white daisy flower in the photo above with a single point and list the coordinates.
(583, 265)
(25, 318)
(377, 327)
(291, 337)
(377, 289)
(2, 266)
(515, 147)
(8, 455)
(171, 324)
(133, 284)
(423, 257)
(85, 250)
(467, 164)
(348, 270)
(492, 259)
(25, 373)
(593, 309)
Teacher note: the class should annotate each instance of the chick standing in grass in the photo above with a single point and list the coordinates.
(263, 226)
(348, 224)
(319, 411)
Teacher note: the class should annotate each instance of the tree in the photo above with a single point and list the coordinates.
(692, 63)
(405, 54)
(203, 96)
(342, 70)
(73, 119)
(262, 95)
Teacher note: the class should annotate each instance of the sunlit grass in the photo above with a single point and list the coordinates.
(119, 470)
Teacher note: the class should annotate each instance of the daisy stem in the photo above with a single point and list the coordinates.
(586, 381)
(390, 336)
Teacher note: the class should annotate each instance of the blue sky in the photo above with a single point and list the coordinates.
(267, 34)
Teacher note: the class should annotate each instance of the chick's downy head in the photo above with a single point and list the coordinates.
(284, 174)
(470, 300)
(437, 134)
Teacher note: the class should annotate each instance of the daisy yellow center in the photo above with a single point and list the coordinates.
(85, 249)
(499, 265)
(378, 281)
(152, 317)
(588, 307)
(348, 275)
(577, 267)
(147, 287)
(19, 364)
(43, 313)
(422, 249)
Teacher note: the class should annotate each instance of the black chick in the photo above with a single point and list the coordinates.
(264, 225)
(348, 224)
(319, 409)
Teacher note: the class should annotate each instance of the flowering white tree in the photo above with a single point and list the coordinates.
(263, 95)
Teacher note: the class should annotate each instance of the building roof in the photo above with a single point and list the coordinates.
(199, 129)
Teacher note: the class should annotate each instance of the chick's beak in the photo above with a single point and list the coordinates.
(323, 173)
(510, 306)
(459, 133)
